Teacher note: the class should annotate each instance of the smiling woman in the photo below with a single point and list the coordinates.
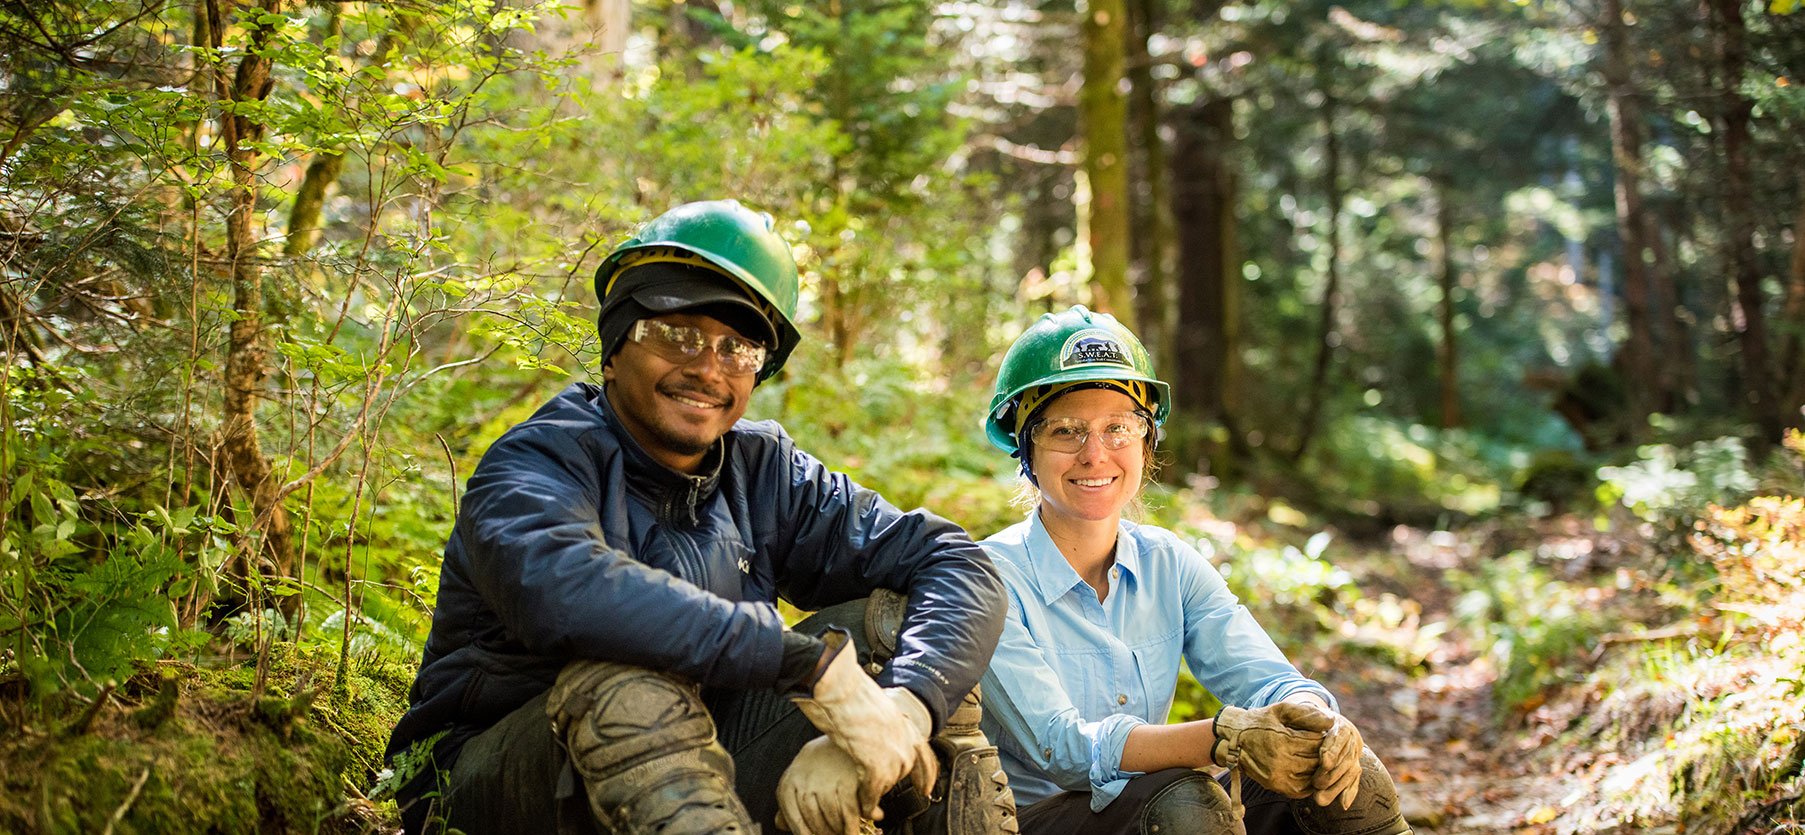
(1089, 466)
(1102, 611)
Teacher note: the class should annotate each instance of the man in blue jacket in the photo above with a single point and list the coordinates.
(606, 654)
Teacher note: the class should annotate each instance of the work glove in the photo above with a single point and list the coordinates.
(819, 793)
(884, 730)
(1338, 774)
(1279, 746)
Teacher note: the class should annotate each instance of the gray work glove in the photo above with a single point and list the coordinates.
(819, 792)
(883, 729)
(1279, 746)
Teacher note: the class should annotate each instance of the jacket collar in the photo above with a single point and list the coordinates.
(675, 498)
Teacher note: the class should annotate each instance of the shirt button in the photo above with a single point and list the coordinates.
(1121, 698)
(1046, 752)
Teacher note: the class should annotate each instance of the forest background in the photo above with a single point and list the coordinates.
(1483, 319)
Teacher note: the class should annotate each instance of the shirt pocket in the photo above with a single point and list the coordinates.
(1084, 673)
(1156, 660)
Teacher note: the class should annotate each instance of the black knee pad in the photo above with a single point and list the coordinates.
(1194, 805)
(644, 746)
(1376, 810)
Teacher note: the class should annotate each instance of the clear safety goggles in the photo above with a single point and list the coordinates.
(683, 344)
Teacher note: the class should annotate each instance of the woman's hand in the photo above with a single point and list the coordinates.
(1338, 777)
(1279, 746)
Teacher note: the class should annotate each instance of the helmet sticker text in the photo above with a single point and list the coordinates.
(1093, 346)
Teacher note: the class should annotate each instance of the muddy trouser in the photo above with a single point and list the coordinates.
(518, 777)
(1180, 801)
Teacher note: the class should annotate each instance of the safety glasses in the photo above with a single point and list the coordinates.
(682, 344)
(1070, 434)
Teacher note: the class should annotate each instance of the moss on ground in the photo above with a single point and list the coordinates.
(214, 760)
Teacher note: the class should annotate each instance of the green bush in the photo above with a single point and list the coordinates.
(90, 588)
(896, 429)
(1532, 624)
(1671, 486)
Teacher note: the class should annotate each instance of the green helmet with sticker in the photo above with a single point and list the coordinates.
(1072, 346)
(727, 238)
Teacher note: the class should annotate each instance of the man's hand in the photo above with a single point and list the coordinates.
(819, 792)
(1279, 746)
(884, 730)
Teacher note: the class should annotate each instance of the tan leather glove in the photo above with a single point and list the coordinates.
(819, 793)
(1338, 775)
(1279, 745)
(883, 729)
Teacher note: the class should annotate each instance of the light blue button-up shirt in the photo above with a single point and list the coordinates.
(1072, 676)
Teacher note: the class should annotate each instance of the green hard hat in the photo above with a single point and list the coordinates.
(1071, 346)
(726, 237)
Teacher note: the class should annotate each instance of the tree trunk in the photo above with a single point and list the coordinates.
(304, 217)
(1679, 304)
(1103, 121)
(1151, 216)
(1762, 388)
(610, 20)
(1792, 319)
(1204, 372)
(1450, 281)
(1331, 288)
(247, 355)
(1641, 380)
(836, 301)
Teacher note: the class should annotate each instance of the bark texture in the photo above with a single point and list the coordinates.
(247, 351)
(1103, 120)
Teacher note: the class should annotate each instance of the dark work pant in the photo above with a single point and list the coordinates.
(515, 776)
(1069, 813)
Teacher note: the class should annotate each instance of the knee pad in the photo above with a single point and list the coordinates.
(1193, 805)
(1376, 810)
(884, 611)
(644, 747)
(973, 796)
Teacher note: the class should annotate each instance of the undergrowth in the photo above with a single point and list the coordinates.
(1700, 722)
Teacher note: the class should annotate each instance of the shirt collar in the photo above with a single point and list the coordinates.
(1054, 577)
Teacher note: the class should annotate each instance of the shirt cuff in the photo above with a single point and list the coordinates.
(1284, 692)
(1106, 776)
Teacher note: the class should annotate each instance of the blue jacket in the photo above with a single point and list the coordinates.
(573, 543)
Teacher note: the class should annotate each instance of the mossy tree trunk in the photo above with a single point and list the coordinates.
(1103, 121)
(1151, 234)
(310, 200)
(247, 350)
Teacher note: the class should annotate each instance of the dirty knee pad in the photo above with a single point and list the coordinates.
(644, 746)
(973, 796)
(1376, 810)
(1194, 805)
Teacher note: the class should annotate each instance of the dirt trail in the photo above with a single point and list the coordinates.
(1457, 773)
